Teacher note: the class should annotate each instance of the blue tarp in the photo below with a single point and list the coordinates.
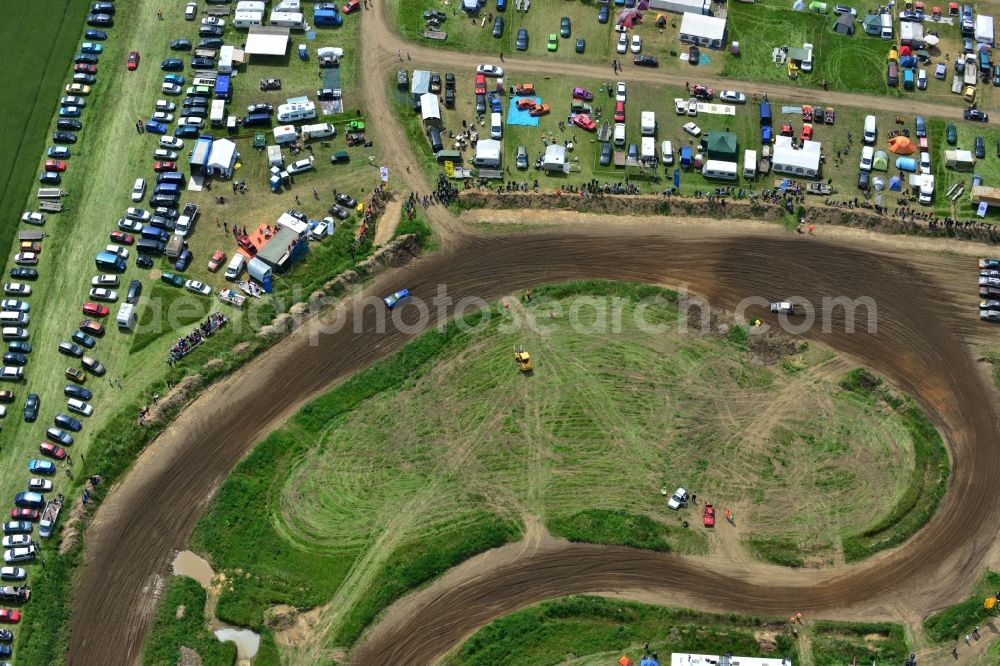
(516, 117)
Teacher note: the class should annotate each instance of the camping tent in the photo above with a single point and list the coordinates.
(222, 159)
(931, 40)
(881, 161)
(902, 145)
(895, 184)
(628, 18)
(878, 184)
(905, 50)
(844, 25)
(555, 158)
(818, 7)
(798, 5)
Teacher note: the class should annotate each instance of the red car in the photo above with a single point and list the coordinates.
(133, 60)
(25, 514)
(583, 121)
(807, 132)
(84, 68)
(122, 237)
(352, 6)
(619, 112)
(55, 165)
(95, 310)
(708, 516)
(701, 92)
(91, 327)
(786, 130)
(52, 451)
(216, 261)
(247, 245)
(10, 615)
(480, 84)
(164, 166)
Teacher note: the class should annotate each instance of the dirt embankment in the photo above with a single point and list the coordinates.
(816, 211)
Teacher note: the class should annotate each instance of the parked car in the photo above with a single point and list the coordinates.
(95, 310)
(976, 115)
(980, 148)
(521, 43)
(31, 407)
(636, 45)
(132, 61)
(951, 134)
(52, 451)
(620, 92)
(64, 137)
(198, 287)
(13, 573)
(79, 407)
(180, 45)
(622, 46)
(678, 500)
(732, 97)
(67, 422)
(99, 35)
(490, 70)
(58, 152)
(692, 129)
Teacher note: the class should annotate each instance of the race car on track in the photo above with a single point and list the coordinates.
(393, 300)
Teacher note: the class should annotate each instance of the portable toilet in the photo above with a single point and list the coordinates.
(303, 54)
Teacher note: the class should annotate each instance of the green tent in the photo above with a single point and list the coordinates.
(818, 7)
(881, 161)
(720, 146)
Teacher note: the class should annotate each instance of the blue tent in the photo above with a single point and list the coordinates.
(649, 661)
(685, 156)
(895, 184)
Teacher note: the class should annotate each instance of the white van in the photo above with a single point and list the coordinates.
(285, 134)
(870, 134)
(496, 128)
(319, 131)
(749, 163)
(289, 113)
(14, 318)
(667, 152)
(235, 266)
(13, 333)
(126, 316)
(886, 26)
(288, 20)
(648, 123)
(619, 137)
(245, 19)
(647, 149)
(867, 156)
(719, 170)
(11, 373)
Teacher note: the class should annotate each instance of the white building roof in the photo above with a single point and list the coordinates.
(223, 155)
(430, 107)
(488, 149)
(685, 659)
(706, 27)
(267, 41)
(806, 157)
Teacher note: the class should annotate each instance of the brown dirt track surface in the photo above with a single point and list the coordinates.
(920, 346)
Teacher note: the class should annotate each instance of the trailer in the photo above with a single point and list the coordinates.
(15, 594)
(231, 297)
(49, 517)
(50, 206)
(51, 193)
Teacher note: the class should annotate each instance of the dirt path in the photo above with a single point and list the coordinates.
(387, 224)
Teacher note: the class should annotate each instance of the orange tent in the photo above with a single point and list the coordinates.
(902, 145)
(624, 661)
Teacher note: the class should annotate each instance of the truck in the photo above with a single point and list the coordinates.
(49, 516)
(15, 594)
(186, 220)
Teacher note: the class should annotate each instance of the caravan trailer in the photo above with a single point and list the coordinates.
(719, 170)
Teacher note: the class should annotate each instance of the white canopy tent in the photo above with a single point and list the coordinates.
(268, 41)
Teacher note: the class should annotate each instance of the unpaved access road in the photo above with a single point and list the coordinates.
(917, 344)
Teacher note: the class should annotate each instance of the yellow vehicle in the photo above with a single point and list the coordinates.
(523, 359)
(969, 94)
(793, 70)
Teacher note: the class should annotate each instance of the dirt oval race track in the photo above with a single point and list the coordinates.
(917, 345)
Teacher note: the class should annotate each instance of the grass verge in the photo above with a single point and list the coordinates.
(837, 643)
(955, 621)
(778, 550)
(572, 627)
(928, 481)
(622, 528)
(180, 622)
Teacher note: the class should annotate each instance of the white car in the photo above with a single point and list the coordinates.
(732, 97)
(680, 106)
(212, 20)
(39, 485)
(140, 214)
(622, 43)
(183, 226)
(104, 281)
(867, 155)
(164, 155)
(33, 218)
(925, 162)
(163, 117)
(300, 166)
(117, 249)
(79, 406)
(190, 11)
(783, 307)
(139, 189)
(164, 105)
(692, 107)
(102, 294)
(17, 289)
(170, 88)
(16, 540)
(72, 100)
(636, 45)
(193, 121)
(807, 64)
(198, 287)
(490, 70)
(678, 499)
(171, 142)
(620, 92)
(692, 129)
(13, 573)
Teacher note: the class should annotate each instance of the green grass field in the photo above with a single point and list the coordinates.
(374, 488)
(955, 621)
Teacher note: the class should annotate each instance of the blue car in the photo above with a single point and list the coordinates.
(186, 132)
(91, 47)
(602, 14)
(174, 78)
(393, 300)
(58, 152)
(155, 127)
(172, 65)
(69, 112)
(99, 35)
(183, 260)
(501, 5)
(84, 339)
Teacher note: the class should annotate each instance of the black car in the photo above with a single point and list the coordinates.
(67, 422)
(435, 83)
(210, 31)
(31, 406)
(23, 273)
(194, 100)
(203, 62)
(863, 181)
(980, 148)
(103, 8)
(345, 200)
(19, 346)
(63, 137)
(260, 108)
(169, 213)
(65, 124)
(14, 358)
(976, 115)
(100, 20)
(172, 65)
(82, 338)
(164, 200)
(144, 261)
(498, 27)
(646, 61)
(449, 98)
(180, 45)
(134, 289)
(480, 103)
(78, 392)
(85, 59)
(196, 112)
(339, 212)
(605, 154)
(449, 81)
(210, 43)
